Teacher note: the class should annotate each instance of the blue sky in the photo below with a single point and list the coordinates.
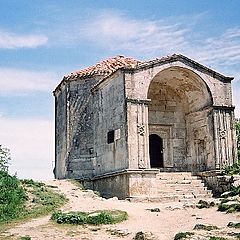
(40, 41)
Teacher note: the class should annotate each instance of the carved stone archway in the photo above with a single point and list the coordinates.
(181, 111)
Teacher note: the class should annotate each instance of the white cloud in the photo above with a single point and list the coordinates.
(219, 50)
(15, 81)
(31, 145)
(118, 32)
(10, 40)
(154, 38)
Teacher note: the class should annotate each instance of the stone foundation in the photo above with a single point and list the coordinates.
(219, 183)
(125, 184)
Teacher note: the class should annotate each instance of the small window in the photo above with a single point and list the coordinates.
(110, 137)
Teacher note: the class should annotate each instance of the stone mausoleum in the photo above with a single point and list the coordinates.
(121, 121)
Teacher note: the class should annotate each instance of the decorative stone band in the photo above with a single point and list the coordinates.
(127, 171)
(231, 108)
(138, 101)
(141, 129)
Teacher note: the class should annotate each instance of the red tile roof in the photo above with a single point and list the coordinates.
(105, 67)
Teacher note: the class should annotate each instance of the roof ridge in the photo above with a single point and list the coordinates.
(105, 67)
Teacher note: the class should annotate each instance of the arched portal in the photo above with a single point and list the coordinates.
(156, 151)
(180, 112)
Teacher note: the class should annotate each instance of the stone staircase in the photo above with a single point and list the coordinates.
(176, 187)
(180, 186)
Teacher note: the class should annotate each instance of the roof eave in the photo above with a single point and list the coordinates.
(180, 57)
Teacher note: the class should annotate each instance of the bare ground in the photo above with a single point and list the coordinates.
(173, 218)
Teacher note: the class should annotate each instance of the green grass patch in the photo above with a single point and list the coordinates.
(182, 235)
(76, 183)
(42, 199)
(234, 169)
(204, 204)
(25, 238)
(93, 218)
(217, 238)
(25, 199)
(205, 227)
(229, 208)
(233, 225)
(12, 197)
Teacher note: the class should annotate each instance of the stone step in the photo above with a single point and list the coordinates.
(179, 181)
(182, 192)
(170, 198)
(175, 176)
(181, 186)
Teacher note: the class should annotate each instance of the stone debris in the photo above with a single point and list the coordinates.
(112, 199)
(144, 236)
(205, 227)
(118, 232)
(153, 209)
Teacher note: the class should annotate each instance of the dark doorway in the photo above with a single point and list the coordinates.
(156, 151)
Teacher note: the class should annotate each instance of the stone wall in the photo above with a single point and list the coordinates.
(125, 184)
(61, 133)
(103, 125)
(184, 116)
(110, 122)
(81, 131)
(217, 182)
(200, 143)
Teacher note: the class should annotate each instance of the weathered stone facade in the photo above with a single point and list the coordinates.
(120, 121)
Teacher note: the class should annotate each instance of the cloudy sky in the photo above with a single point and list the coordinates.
(40, 41)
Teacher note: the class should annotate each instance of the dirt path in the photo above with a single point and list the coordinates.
(173, 218)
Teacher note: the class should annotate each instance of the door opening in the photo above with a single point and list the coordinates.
(156, 151)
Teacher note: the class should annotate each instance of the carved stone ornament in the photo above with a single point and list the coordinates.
(141, 130)
(222, 133)
(141, 164)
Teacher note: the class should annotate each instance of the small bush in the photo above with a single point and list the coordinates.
(204, 204)
(31, 183)
(234, 169)
(182, 235)
(12, 197)
(235, 191)
(93, 218)
(233, 225)
(229, 208)
(237, 235)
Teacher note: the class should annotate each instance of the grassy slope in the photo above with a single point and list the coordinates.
(36, 199)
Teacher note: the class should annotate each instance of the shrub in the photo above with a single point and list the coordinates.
(204, 204)
(229, 208)
(93, 218)
(182, 235)
(233, 225)
(234, 169)
(12, 197)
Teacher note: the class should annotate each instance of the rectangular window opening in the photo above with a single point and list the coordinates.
(110, 137)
